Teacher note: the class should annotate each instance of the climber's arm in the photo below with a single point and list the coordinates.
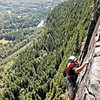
(79, 69)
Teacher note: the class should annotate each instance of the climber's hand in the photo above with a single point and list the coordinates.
(87, 62)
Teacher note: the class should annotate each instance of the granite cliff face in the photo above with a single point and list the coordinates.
(89, 79)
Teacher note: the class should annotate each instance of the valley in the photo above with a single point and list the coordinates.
(19, 21)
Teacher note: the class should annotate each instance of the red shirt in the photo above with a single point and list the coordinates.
(71, 66)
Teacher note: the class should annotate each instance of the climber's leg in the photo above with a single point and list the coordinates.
(71, 91)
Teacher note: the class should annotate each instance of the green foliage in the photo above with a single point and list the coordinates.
(38, 73)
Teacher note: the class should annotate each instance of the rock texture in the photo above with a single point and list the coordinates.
(89, 79)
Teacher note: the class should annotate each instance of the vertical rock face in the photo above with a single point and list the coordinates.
(89, 79)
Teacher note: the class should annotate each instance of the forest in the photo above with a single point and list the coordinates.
(38, 72)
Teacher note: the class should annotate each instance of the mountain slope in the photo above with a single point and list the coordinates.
(38, 73)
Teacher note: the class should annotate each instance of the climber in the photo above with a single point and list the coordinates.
(72, 70)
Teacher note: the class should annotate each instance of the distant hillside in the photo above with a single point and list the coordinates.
(38, 73)
(18, 23)
(21, 15)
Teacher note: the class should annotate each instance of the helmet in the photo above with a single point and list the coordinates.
(72, 58)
